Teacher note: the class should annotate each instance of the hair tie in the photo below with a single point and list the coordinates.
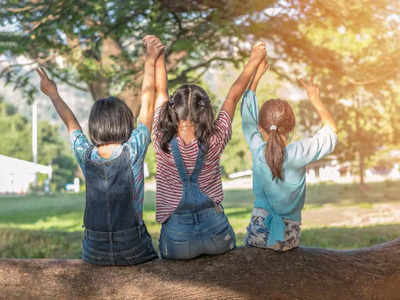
(273, 127)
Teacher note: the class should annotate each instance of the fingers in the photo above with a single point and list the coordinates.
(40, 73)
(308, 84)
(44, 73)
(150, 39)
(153, 44)
(148, 36)
(259, 44)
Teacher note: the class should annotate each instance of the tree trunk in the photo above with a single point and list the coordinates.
(245, 273)
(360, 145)
(361, 168)
(99, 89)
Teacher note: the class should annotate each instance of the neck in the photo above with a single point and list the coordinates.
(105, 151)
(186, 131)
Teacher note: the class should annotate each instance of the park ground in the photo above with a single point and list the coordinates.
(338, 216)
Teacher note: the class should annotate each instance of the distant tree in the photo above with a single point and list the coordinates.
(16, 141)
(64, 169)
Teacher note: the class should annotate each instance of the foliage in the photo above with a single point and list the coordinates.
(96, 46)
(351, 46)
(16, 141)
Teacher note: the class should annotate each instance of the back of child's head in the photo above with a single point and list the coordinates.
(188, 103)
(110, 122)
(276, 118)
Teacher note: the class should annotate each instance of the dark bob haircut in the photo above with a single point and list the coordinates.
(110, 122)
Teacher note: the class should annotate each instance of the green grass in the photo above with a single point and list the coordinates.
(51, 226)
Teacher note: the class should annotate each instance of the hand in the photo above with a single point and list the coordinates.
(311, 88)
(262, 68)
(47, 86)
(312, 91)
(153, 45)
(258, 52)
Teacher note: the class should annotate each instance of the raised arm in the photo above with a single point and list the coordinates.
(249, 110)
(49, 88)
(161, 81)
(153, 49)
(313, 95)
(239, 86)
(262, 68)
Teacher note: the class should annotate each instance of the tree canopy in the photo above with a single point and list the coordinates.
(96, 45)
(351, 47)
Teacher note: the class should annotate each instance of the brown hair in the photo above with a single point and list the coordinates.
(189, 102)
(110, 121)
(276, 117)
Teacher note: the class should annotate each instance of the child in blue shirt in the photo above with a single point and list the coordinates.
(279, 167)
(112, 163)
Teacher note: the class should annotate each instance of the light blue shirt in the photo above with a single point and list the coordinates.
(282, 199)
(137, 145)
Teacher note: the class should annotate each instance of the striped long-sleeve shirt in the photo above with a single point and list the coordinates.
(169, 186)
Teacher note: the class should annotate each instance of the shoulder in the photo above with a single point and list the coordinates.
(138, 141)
(223, 123)
(224, 117)
(79, 140)
(140, 134)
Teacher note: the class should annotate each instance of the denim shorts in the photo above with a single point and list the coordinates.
(186, 236)
(122, 248)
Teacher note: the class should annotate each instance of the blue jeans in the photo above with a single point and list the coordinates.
(186, 236)
(121, 248)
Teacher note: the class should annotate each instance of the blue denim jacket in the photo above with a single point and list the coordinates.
(282, 199)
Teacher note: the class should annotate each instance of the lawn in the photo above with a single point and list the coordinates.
(336, 216)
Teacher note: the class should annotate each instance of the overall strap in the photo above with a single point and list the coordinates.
(88, 152)
(199, 164)
(181, 166)
(178, 159)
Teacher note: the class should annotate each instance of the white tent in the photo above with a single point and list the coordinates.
(17, 175)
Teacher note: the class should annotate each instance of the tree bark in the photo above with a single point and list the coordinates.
(245, 273)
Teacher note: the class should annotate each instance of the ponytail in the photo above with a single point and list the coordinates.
(277, 119)
(168, 125)
(275, 153)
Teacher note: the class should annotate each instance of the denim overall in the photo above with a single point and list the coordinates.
(113, 235)
(197, 226)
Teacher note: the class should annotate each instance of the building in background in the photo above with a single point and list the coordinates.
(17, 176)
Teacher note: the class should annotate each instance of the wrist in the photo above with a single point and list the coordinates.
(150, 59)
(318, 105)
(54, 96)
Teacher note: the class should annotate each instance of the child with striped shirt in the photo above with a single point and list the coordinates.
(189, 143)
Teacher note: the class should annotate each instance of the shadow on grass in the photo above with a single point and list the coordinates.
(16, 243)
(349, 237)
(239, 213)
(329, 193)
(31, 209)
(350, 194)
